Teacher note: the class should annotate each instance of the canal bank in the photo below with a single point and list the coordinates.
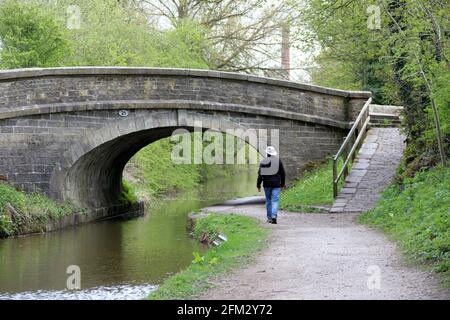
(233, 242)
(24, 214)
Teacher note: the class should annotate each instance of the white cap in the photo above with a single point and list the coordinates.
(271, 150)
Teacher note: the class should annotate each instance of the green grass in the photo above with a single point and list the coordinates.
(314, 187)
(33, 211)
(245, 237)
(418, 218)
(128, 194)
(151, 173)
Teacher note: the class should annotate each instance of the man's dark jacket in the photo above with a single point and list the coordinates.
(275, 180)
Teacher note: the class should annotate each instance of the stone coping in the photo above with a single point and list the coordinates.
(385, 109)
(17, 74)
(167, 104)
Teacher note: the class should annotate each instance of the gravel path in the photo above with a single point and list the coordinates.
(323, 256)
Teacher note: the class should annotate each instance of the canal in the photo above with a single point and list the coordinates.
(118, 259)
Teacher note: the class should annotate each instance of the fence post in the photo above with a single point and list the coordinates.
(353, 142)
(345, 154)
(334, 178)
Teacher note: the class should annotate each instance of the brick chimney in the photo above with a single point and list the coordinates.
(285, 52)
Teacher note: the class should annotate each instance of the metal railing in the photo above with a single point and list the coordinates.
(352, 142)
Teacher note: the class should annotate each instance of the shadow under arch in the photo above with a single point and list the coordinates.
(91, 173)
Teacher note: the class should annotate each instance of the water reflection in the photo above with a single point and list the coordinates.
(114, 256)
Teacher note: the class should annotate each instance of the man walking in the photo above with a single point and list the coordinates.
(271, 174)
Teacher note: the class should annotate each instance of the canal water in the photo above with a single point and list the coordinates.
(117, 259)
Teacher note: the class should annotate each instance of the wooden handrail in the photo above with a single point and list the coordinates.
(361, 123)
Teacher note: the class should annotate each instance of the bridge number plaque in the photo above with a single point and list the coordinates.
(123, 113)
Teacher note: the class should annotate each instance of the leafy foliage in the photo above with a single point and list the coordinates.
(404, 61)
(198, 258)
(112, 36)
(351, 56)
(34, 34)
(242, 35)
(30, 37)
(128, 194)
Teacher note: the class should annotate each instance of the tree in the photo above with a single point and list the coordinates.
(350, 55)
(30, 36)
(418, 48)
(243, 35)
(403, 61)
(117, 33)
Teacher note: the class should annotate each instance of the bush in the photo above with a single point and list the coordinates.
(30, 36)
(128, 195)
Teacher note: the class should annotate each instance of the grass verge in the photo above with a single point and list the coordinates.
(417, 216)
(151, 173)
(245, 236)
(22, 213)
(314, 187)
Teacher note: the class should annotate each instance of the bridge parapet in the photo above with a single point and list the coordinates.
(37, 91)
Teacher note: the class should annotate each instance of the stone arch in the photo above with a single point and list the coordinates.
(69, 113)
(90, 174)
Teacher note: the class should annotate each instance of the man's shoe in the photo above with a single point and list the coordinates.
(269, 220)
(274, 220)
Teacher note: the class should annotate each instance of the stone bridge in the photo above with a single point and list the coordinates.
(61, 132)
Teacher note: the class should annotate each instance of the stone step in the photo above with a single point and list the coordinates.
(374, 115)
(384, 120)
(372, 171)
(380, 120)
(384, 125)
